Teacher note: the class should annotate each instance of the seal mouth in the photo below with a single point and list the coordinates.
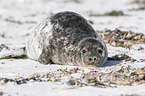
(93, 60)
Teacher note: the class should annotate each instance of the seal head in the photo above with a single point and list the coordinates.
(91, 52)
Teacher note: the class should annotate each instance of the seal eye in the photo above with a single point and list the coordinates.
(100, 51)
(84, 51)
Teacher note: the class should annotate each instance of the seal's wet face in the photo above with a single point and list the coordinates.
(91, 52)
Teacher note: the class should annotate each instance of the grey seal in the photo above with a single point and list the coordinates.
(66, 38)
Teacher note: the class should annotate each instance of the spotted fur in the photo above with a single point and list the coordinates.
(62, 37)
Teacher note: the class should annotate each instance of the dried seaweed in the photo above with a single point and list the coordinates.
(112, 13)
(120, 38)
(110, 77)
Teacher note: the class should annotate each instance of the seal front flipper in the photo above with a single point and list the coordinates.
(45, 57)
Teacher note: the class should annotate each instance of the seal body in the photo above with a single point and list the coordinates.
(66, 38)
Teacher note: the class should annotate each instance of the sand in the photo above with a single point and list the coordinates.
(19, 17)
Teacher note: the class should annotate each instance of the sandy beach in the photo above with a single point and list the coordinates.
(25, 77)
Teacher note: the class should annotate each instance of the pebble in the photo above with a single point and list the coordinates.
(71, 82)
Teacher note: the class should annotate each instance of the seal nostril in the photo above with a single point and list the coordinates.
(95, 59)
(90, 59)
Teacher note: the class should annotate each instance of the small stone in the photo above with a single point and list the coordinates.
(71, 82)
